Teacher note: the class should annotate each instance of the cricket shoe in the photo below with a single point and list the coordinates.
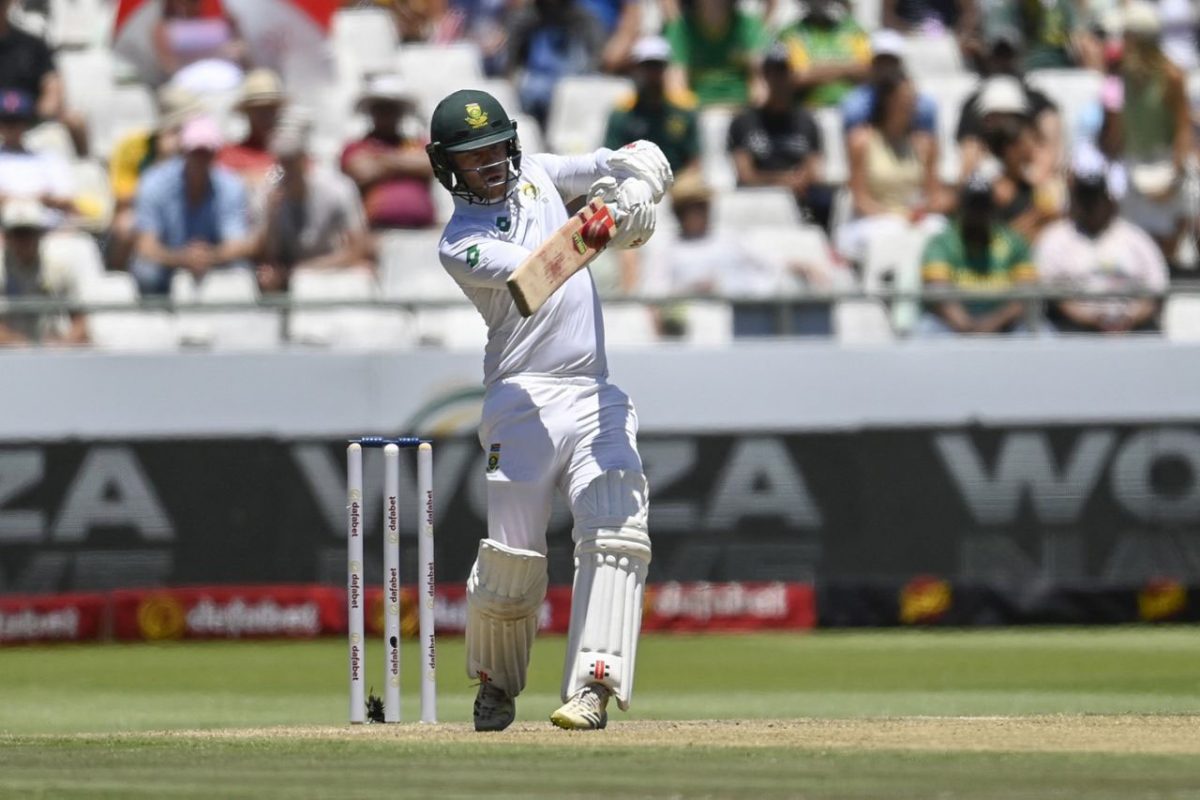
(494, 709)
(586, 711)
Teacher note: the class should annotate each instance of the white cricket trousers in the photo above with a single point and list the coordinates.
(544, 434)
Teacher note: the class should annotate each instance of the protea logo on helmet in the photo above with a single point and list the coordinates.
(476, 116)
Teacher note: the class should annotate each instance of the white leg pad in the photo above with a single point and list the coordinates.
(504, 594)
(612, 557)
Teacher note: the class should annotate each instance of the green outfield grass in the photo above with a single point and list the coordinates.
(166, 721)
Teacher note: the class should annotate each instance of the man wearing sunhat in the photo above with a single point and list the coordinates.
(261, 101)
(27, 272)
(389, 164)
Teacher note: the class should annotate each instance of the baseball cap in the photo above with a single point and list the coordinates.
(887, 42)
(16, 104)
(1003, 94)
(651, 48)
(201, 133)
(24, 212)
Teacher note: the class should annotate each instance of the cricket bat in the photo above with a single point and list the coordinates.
(568, 250)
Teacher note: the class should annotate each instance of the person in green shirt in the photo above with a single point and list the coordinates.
(715, 50)
(829, 52)
(650, 114)
(975, 253)
(1057, 36)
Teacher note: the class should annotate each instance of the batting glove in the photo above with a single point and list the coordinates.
(643, 160)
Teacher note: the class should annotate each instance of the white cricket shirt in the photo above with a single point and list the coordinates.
(482, 246)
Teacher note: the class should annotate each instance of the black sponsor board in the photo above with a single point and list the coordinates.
(1007, 510)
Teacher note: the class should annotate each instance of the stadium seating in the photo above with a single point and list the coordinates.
(949, 92)
(79, 23)
(76, 248)
(628, 325)
(1072, 90)
(50, 137)
(226, 330)
(833, 143)
(454, 328)
(894, 262)
(409, 267)
(364, 40)
(132, 329)
(768, 206)
(93, 194)
(861, 322)
(1181, 318)
(715, 162)
(580, 111)
(931, 56)
(434, 71)
(344, 327)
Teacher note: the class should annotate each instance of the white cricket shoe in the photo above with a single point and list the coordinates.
(494, 709)
(585, 711)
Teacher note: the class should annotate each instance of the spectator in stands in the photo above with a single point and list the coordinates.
(887, 54)
(191, 214)
(830, 53)
(27, 64)
(313, 217)
(199, 46)
(1027, 194)
(416, 19)
(621, 22)
(650, 114)
(1002, 59)
(27, 272)
(43, 176)
(132, 156)
(715, 49)
(699, 261)
(1097, 251)
(1056, 34)
(261, 100)
(550, 40)
(778, 142)
(1154, 127)
(390, 168)
(893, 170)
(933, 17)
(480, 21)
(975, 254)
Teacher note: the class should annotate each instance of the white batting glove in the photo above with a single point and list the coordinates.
(643, 160)
(636, 215)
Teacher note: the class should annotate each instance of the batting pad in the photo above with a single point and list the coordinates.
(504, 593)
(610, 578)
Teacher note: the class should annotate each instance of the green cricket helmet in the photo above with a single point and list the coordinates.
(468, 120)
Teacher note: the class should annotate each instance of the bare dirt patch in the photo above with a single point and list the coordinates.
(1118, 734)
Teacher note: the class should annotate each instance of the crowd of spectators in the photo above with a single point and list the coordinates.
(1092, 198)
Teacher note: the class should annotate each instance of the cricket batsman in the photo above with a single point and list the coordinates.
(551, 420)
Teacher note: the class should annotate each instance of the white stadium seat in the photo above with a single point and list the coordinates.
(931, 55)
(131, 329)
(76, 248)
(861, 322)
(758, 207)
(364, 40)
(715, 160)
(949, 92)
(1072, 90)
(580, 110)
(833, 145)
(231, 330)
(894, 261)
(628, 325)
(456, 328)
(1181, 318)
(130, 108)
(435, 70)
(50, 137)
(344, 327)
(93, 194)
(409, 267)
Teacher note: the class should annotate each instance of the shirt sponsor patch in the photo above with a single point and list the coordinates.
(493, 463)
